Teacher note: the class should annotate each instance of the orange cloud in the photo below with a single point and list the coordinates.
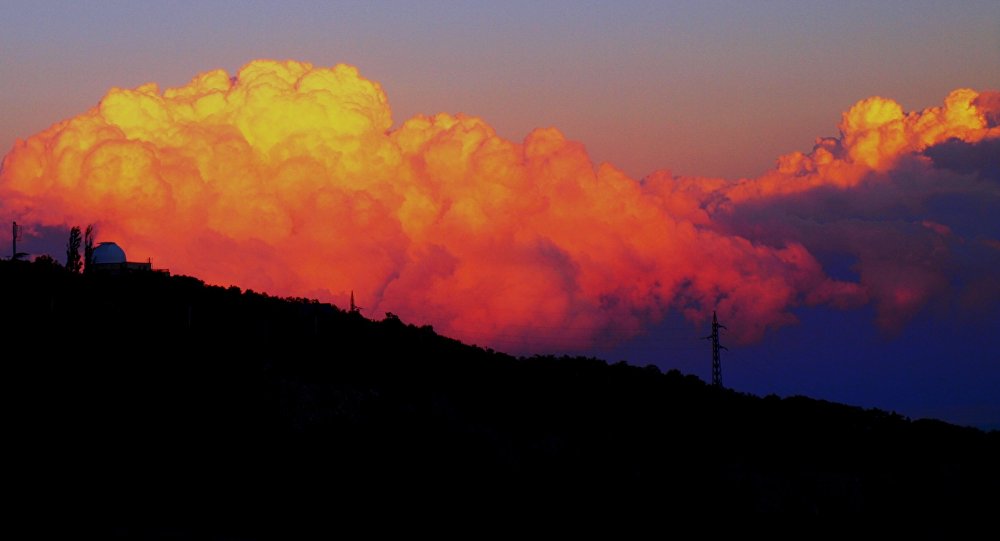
(287, 178)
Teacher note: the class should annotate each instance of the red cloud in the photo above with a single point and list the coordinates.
(287, 178)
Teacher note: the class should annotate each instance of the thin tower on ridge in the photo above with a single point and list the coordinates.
(716, 347)
(16, 236)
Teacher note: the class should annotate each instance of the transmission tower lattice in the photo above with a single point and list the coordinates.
(716, 347)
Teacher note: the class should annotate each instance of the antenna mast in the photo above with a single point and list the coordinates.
(716, 347)
(15, 236)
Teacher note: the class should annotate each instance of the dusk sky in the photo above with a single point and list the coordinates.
(604, 175)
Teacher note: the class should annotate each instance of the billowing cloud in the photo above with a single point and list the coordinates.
(289, 178)
(903, 198)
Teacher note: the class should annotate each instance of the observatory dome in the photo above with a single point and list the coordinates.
(108, 252)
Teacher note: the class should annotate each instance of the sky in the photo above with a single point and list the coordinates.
(865, 280)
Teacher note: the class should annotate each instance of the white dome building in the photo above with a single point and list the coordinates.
(108, 253)
(109, 257)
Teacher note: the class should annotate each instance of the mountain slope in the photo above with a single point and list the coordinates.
(162, 393)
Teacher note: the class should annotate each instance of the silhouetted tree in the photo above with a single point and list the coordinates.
(45, 260)
(88, 247)
(73, 263)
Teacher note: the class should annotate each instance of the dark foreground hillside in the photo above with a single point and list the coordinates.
(145, 400)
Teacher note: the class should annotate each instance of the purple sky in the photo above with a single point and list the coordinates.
(698, 88)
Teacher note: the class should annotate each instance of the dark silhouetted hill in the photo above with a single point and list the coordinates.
(148, 400)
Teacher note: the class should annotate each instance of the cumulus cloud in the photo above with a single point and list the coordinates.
(288, 178)
(905, 197)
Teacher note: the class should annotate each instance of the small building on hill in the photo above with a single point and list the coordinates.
(110, 258)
